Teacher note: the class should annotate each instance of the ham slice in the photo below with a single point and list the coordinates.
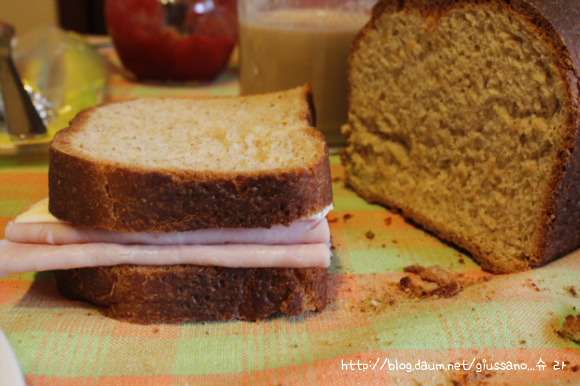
(17, 257)
(299, 232)
(37, 241)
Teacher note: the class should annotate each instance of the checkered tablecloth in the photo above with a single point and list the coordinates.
(496, 330)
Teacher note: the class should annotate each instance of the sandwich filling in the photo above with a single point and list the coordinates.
(38, 241)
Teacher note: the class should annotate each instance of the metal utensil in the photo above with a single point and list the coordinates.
(22, 119)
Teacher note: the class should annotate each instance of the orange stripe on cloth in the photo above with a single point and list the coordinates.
(145, 380)
(13, 290)
(337, 173)
(32, 178)
(4, 220)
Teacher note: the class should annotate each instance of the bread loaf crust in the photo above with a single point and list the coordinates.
(176, 294)
(556, 22)
(564, 219)
(100, 194)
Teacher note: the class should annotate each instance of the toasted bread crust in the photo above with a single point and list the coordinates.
(117, 198)
(176, 294)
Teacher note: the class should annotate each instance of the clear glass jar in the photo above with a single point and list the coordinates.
(286, 43)
(175, 40)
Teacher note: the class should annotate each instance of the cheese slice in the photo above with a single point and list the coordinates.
(37, 213)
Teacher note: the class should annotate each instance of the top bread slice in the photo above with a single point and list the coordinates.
(465, 115)
(162, 164)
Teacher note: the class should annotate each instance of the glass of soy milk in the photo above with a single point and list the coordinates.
(286, 43)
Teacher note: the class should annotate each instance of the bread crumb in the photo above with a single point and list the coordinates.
(434, 274)
(572, 291)
(408, 286)
(388, 221)
(431, 283)
(346, 217)
(447, 291)
(435, 281)
(532, 285)
(375, 299)
(571, 328)
(473, 377)
(370, 235)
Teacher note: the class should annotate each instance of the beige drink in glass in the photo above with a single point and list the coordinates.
(285, 48)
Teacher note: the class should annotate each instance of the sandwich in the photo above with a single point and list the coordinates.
(168, 210)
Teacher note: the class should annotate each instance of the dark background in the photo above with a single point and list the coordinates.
(83, 16)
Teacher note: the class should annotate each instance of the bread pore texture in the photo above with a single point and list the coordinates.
(464, 115)
(167, 164)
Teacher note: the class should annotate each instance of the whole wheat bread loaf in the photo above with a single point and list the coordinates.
(465, 116)
(160, 165)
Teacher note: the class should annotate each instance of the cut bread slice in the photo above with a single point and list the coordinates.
(465, 116)
(176, 294)
(160, 165)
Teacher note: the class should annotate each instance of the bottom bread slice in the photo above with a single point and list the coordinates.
(181, 293)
